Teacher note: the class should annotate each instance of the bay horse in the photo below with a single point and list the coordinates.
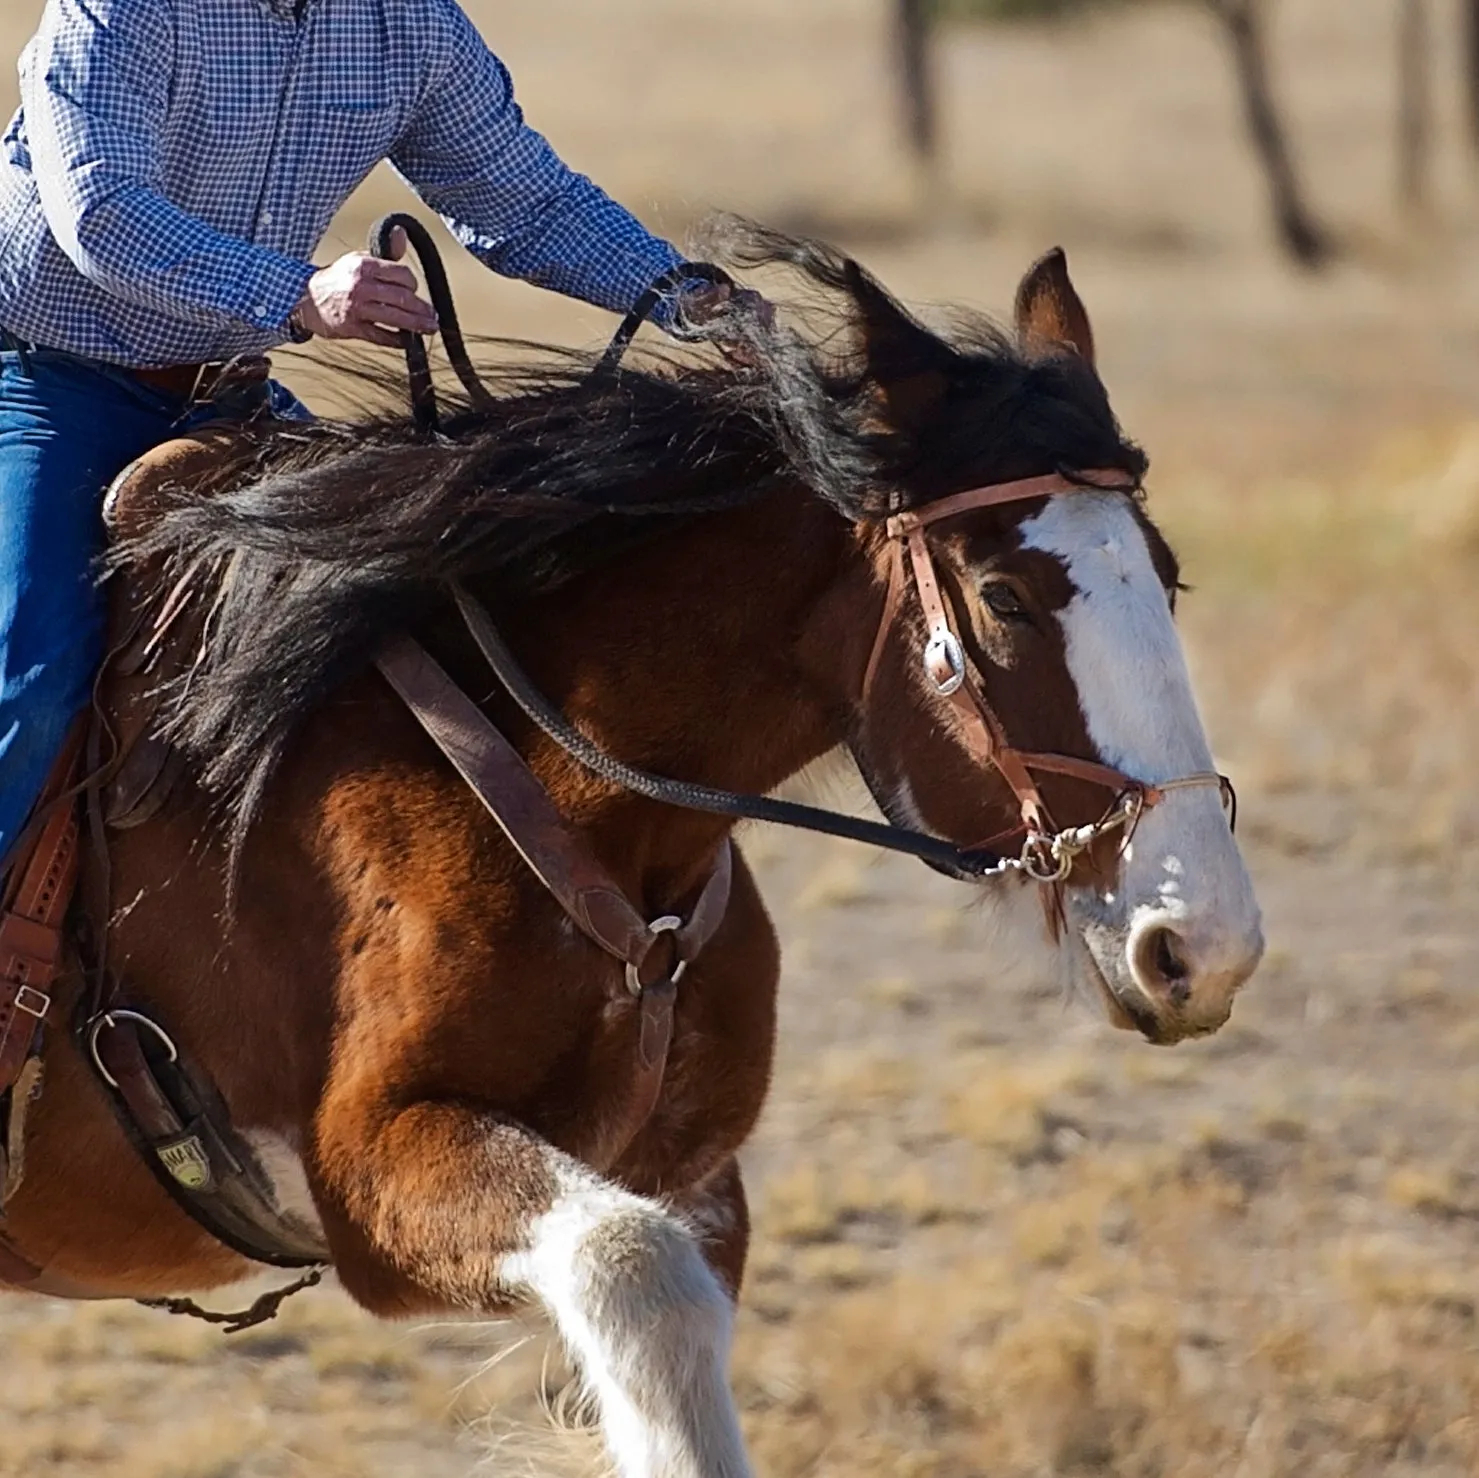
(718, 574)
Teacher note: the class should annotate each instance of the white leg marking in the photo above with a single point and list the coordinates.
(646, 1319)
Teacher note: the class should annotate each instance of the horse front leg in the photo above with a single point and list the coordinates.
(451, 1205)
(718, 1211)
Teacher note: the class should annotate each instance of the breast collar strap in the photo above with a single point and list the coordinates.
(656, 953)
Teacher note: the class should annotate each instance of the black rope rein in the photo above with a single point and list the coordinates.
(423, 392)
(439, 289)
(648, 304)
(963, 863)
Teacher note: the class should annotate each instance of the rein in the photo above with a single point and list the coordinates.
(1047, 856)
(439, 289)
(965, 864)
(647, 305)
(418, 364)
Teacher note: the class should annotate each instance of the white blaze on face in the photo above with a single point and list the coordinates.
(1125, 657)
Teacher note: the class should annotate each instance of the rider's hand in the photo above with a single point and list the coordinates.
(366, 297)
(700, 306)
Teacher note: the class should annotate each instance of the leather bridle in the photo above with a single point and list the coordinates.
(1048, 854)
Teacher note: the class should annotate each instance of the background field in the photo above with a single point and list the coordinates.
(994, 1237)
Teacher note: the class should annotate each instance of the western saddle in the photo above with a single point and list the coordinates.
(116, 773)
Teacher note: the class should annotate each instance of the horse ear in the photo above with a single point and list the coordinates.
(908, 363)
(1050, 313)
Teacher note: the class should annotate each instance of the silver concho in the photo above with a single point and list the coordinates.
(944, 662)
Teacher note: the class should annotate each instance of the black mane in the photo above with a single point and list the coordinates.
(345, 530)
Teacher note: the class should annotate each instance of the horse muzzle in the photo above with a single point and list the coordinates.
(1169, 971)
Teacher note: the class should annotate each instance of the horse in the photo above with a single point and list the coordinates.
(926, 548)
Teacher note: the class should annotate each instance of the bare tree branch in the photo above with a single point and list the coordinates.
(912, 39)
(1300, 236)
(1414, 105)
(1471, 67)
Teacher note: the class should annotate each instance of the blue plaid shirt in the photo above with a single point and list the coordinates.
(175, 163)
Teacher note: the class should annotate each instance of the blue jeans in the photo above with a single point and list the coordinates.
(67, 428)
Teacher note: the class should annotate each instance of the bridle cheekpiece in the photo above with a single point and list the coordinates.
(1048, 854)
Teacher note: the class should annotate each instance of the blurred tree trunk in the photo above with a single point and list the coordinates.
(1305, 242)
(912, 38)
(1471, 66)
(1414, 105)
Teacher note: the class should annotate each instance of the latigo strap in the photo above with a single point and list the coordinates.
(31, 925)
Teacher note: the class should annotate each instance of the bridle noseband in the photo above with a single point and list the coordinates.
(1048, 854)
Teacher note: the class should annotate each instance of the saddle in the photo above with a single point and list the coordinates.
(113, 746)
(116, 772)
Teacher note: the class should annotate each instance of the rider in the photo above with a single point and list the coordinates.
(173, 166)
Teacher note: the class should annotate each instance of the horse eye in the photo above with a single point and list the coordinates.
(1001, 600)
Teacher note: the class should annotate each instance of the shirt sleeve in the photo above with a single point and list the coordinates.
(506, 194)
(95, 91)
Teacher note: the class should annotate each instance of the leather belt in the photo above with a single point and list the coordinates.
(201, 382)
(193, 383)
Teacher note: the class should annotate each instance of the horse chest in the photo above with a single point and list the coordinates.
(720, 1066)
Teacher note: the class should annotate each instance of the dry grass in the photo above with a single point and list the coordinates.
(1353, 671)
(992, 1239)
(1110, 1335)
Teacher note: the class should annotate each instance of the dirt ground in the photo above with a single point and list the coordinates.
(995, 1237)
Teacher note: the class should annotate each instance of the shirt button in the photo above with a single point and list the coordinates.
(266, 217)
(262, 313)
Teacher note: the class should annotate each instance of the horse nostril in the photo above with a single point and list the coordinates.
(1163, 963)
(1185, 971)
(1168, 961)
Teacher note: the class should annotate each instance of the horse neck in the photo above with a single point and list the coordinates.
(688, 658)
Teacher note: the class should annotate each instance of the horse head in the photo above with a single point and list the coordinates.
(1059, 594)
